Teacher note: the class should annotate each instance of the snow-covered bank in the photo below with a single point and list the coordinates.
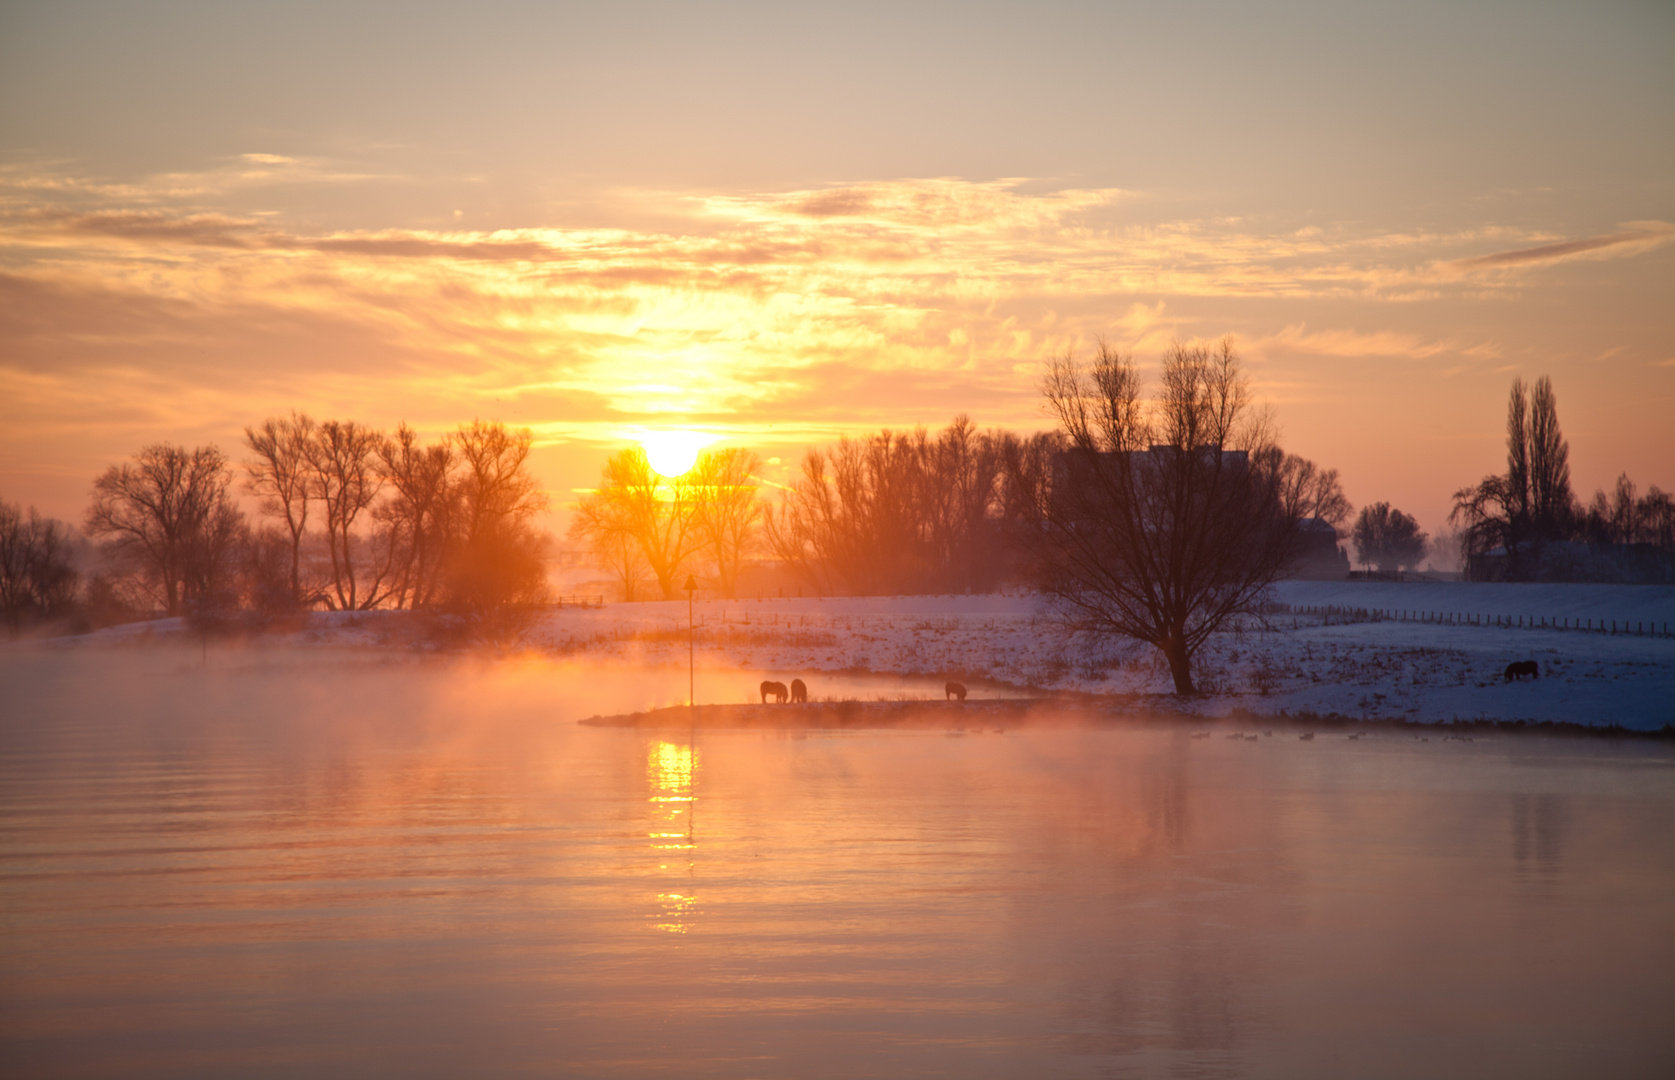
(1390, 670)
(1297, 663)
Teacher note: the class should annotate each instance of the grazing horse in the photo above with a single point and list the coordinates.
(777, 689)
(1519, 668)
(799, 691)
(954, 691)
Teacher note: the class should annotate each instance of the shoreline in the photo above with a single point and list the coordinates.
(1038, 713)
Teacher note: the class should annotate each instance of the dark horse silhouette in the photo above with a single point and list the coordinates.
(954, 690)
(777, 689)
(1519, 668)
(799, 691)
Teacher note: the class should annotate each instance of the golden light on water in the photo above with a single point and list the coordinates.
(673, 453)
(670, 772)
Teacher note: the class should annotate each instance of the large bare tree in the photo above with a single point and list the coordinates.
(345, 478)
(653, 511)
(499, 566)
(1157, 527)
(422, 513)
(279, 477)
(169, 515)
(726, 511)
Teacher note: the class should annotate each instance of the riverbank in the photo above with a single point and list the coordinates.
(1314, 654)
(1000, 715)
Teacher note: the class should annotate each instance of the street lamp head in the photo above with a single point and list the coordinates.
(691, 583)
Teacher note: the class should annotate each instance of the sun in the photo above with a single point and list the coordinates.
(673, 453)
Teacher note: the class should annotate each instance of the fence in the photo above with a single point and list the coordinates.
(579, 601)
(1639, 628)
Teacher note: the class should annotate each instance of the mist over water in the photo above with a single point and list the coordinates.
(280, 863)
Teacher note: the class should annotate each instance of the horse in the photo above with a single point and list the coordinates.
(799, 692)
(954, 691)
(777, 689)
(1519, 668)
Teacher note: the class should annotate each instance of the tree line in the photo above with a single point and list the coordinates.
(348, 518)
(1527, 525)
(1156, 519)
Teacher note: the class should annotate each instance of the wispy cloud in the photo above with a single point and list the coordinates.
(1618, 245)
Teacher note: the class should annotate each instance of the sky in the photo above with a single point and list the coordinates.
(779, 223)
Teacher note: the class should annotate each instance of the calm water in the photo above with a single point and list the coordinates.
(278, 866)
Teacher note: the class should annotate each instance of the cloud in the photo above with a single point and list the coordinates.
(1355, 344)
(792, 314)
(1616, 245)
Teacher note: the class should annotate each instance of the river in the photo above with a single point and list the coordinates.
(271, 863)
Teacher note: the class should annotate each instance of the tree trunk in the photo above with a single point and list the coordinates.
(1180, 665)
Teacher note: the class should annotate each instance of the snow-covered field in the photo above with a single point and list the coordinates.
(1325, 664)
(1303, 663)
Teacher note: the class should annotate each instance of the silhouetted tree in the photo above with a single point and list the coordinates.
(635, 503)
(422, 513)
(498, 569)
(1305, 489)
(38, 577)
(1387, 538)
(1157, 526)
(1626, 517)
(343, 458)
(280, 477)
(1532, 504)
(725, 510)
(902, 512)
(168, 519)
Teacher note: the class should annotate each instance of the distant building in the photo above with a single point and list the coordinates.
(1073, 472)
(1575, 561)
(1319, 557)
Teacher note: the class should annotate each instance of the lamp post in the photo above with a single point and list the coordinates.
(691, 676)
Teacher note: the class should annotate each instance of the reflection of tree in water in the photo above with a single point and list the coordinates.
(671, 773)
(1169, 873)
(1540, 824)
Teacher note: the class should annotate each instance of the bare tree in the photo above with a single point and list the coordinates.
(498, 569)
(496, 486)
(808, 529)
(1157, 527)
(725, 510)
(962, 478)
(169, 514)
(1387, 538)
(1305, 489)
(38, 577)
(602, 525)
(1532, 504)
(344, 477)
(1627, 517)
(422, 513)
(656, 512)
(279, 477)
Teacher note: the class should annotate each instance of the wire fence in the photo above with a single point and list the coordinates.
(1633, 628)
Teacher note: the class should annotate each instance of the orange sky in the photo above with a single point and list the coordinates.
(207, 218)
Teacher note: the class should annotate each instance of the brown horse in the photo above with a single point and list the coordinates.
(954, 691)
(799, 691)
(1519, 668)
(777, 689)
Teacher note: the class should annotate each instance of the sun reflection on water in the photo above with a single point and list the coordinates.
(671, 770)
